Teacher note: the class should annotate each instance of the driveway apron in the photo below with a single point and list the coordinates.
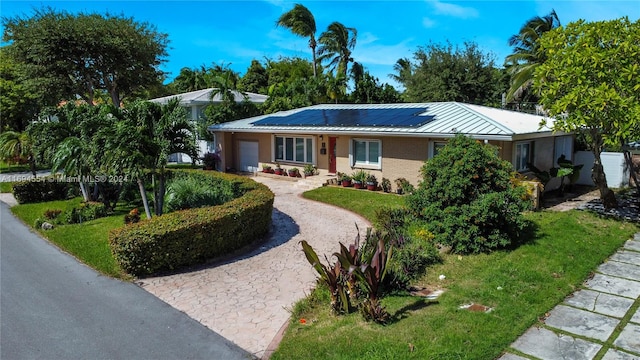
(248, 299)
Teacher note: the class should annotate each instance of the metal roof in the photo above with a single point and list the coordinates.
(203, 97)
(449, 118)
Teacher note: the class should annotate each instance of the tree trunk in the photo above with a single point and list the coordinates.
(32, 165)
(607, 196)
(160, 194)
(143, 194)
(632, 170)
(96, 192)
(83, 190)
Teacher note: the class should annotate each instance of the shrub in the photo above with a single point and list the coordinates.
(50, 214)
(41, 190)
(132, 217)
(467, 199)
(192, 236)
(85, 212)
(193, 190)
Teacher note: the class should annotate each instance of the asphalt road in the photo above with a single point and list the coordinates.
(53, 307)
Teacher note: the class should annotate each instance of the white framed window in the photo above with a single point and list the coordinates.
(435, 147)
(294, 149)
(523, 156)
(366, 153)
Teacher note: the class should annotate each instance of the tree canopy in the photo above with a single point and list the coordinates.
(590, 81)
(442, 72)
(80, 55)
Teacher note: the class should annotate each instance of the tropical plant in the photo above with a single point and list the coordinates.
(330, 275)
(210, 161)
(302, 23)
(386, 185)
(403, 69)
(360, 176)
(337, 43)
(15, 145)
(522, 63)
(188, 191)
(309, 170)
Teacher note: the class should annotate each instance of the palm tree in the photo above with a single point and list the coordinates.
(336, 46)
(302, 23)
(14, 145)
(403, 70)
(526, 56)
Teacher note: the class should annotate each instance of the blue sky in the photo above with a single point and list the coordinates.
(235, 32)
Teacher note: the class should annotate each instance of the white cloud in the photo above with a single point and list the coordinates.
(366, 38)
(382, 54)
(428, 23)
(463, 12)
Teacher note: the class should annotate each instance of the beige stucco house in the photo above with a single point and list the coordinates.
(387, 140)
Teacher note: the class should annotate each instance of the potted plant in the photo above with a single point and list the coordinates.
(210, 161)
(266, 169)
(403, 186)
(372, 182)
(309, 170)
(294, 172)
(345, 180)
(386, 185)
(359, 178)
(278, 170)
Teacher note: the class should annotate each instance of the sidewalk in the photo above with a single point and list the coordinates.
(602, 320)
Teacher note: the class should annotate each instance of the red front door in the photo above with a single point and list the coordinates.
(332, 155)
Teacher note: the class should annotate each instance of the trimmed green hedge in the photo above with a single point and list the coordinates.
(192, 236)
(40, 190)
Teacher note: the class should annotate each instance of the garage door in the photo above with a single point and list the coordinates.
(248, 152)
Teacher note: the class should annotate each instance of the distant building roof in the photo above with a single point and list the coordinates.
(437, 119)
(203, 97)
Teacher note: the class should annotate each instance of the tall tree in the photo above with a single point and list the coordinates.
(255, 80)
(301, 22)
(336, 45)
(403, 70)
(527, 56)
(590, 82)
(77, 55)
(19, 98)
(448, 73)
(367, 88)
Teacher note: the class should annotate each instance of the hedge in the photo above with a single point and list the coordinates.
(41, 189)
(192, 236)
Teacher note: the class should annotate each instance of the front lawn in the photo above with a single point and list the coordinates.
(88, 242)
(520, 285)
(362, 202)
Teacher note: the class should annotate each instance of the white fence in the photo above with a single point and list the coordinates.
(615, 168)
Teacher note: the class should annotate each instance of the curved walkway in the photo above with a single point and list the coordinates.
(247, 299)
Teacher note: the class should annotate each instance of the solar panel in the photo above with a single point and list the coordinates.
(396, 117)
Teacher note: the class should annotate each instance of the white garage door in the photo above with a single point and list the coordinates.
(248, 153)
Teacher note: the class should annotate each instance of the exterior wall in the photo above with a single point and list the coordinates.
(403, 158)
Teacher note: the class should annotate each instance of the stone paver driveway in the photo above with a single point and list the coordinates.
(247, 299)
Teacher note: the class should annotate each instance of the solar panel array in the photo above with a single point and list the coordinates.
(396, 117)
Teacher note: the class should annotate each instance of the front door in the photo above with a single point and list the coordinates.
(332, 155)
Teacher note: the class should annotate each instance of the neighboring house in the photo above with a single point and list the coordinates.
(196, 102)
(388, 140)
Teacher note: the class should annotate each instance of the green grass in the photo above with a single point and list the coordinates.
(6, 168)
(362, 202)
(88, 242)
(6, 187)
(521, 285)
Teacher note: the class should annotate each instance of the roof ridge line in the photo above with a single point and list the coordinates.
(486, 118)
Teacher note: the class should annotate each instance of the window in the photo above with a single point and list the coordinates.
(367, 153)
(435, 147)
(523, 156)
(294, 149)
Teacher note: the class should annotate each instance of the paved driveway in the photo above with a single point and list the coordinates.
(247, 299)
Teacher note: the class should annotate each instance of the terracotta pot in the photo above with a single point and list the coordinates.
(357, 184)
(278, 171)
(372, 186)
(346, 183)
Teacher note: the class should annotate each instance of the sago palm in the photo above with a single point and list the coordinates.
(336, 46)
(302, 23)
(526, 55)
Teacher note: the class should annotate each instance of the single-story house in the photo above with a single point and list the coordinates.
(196, 102)
(387, 140)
